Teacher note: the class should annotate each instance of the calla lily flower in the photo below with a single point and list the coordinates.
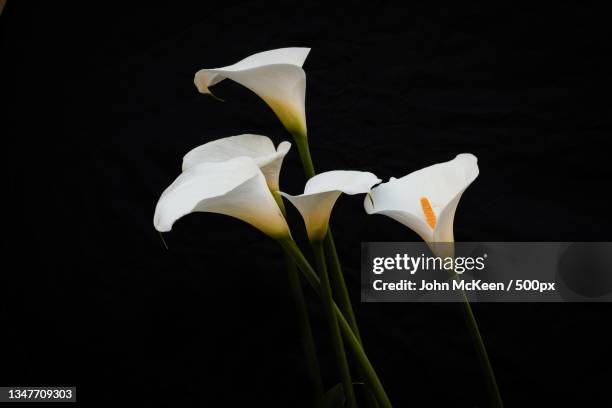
(236, 187)
(425, 201)
(259, 148)
(321, 193)
(276, 76)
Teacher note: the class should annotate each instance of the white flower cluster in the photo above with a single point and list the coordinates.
(239, 175)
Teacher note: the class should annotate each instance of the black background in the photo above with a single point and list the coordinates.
(100, 107)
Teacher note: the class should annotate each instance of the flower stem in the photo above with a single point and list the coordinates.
(330, 247)
(301, 140)
(326, 294)
(481, 350)
(308, 344)
(341, 292)
(339, 284)
(337, 277)
(351, 340)
(483, 356)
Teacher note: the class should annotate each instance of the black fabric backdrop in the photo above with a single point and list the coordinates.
(100, 107)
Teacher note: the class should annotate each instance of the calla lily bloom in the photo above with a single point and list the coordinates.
(259, 148)
(321, 193)
(425, 201)
(276, 76)
(236, 187)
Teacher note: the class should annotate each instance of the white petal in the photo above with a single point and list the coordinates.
(259, 148)
(316, 210)
(321, 193)
(235, 187)
(410, 220)
(442, 184)
(346, 181)
(276, 76)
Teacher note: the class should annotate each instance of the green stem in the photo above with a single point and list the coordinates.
(308, 344)
(351, 340)
(328, 301)
(483, 356)
(342, 294)
(340, 288)
(481, 350)
(301, 140)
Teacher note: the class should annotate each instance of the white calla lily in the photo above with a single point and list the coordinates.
(425, 201)
(321, 193)
(276, 76)
(236, 187)
(259, 148)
